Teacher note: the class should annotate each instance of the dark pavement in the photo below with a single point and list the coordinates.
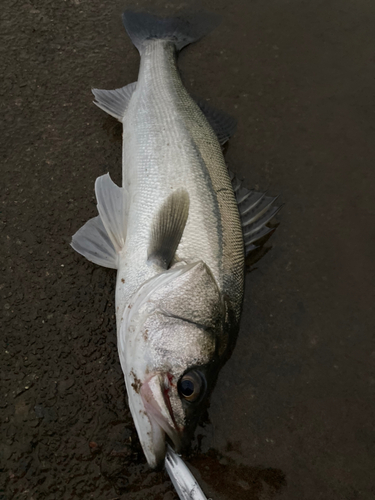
(292, 416)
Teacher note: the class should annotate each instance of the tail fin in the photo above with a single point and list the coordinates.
(142, 27)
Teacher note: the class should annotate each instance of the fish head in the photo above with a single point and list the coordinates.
(171, 341)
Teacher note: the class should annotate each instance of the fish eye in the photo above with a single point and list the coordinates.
(191, 386)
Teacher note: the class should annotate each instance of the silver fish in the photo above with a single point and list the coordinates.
(177, 232)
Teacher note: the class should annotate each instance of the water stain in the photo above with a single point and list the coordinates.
(238, 481)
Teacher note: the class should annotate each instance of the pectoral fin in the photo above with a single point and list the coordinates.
(167, 229)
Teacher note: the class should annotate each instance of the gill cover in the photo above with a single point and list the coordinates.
(173, 323)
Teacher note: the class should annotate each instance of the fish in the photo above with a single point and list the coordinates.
(177, 231)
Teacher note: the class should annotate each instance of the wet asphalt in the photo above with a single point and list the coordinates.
(292, 416)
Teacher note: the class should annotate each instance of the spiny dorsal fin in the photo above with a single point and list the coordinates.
(167, 229)
(114, 102)
(222, 124)
(256, 210)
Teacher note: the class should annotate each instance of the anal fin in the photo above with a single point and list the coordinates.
(114, 102)
(168, 227)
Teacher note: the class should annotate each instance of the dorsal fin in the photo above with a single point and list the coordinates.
(167, 229)
(222, 124)
(256, 210)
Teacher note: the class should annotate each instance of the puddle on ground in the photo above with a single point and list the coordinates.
(238, 482)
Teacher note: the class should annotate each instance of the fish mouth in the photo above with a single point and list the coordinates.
(153, 418)
(155, 396)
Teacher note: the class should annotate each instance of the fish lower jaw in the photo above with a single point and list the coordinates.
(152, 419)
(154, 441)
(159, 411)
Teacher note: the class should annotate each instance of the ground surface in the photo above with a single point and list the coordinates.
(292, 416)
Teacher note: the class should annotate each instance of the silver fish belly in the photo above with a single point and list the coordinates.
(176, 231)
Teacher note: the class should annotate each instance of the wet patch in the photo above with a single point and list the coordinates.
(238, 482)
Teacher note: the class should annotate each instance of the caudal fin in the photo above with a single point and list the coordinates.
(142, 27)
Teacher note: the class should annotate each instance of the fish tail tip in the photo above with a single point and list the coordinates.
(181, 30)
